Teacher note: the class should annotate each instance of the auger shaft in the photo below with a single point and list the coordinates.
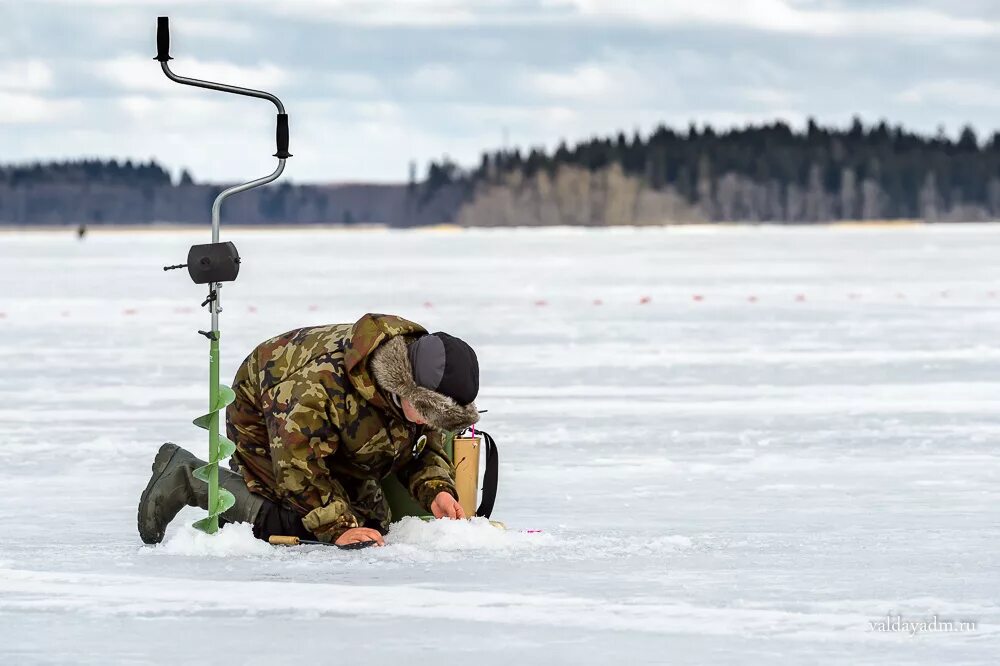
(213, 427)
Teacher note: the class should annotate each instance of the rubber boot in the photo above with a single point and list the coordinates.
(173, 486)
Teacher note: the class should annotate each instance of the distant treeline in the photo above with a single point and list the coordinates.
(88, 172)
(98, 192)
(757, 173)
(768, 173)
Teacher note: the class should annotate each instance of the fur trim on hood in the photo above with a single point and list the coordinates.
(390, 366)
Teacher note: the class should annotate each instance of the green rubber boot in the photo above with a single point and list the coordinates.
(173, 486)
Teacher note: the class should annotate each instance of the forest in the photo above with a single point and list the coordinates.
(770, 173)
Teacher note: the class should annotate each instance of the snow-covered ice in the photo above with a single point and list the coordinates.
(740, 445)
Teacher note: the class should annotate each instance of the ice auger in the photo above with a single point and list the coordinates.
(213, 264)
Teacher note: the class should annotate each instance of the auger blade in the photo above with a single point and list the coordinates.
(226, 397)
(226, 447)
(209, 523)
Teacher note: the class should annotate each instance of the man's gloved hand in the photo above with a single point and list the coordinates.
(446, 506)
(360, 534)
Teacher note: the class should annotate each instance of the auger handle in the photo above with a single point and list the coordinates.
(276, 540)
(281, 132)
(281, 135)
(163, 39)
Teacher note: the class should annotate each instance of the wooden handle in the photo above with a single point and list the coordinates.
(276, 540)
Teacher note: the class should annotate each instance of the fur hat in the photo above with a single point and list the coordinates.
(391, 367)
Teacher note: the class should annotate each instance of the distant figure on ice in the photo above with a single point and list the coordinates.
(81, 231)
(322, 415)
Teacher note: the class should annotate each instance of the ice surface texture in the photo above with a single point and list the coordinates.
(741, 446)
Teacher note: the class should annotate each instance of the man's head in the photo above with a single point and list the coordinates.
(435, 378)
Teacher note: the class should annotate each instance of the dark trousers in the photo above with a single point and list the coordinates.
(277, 520)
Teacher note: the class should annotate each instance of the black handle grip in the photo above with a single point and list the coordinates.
(281, 134)
(489, 477)
(163, 39)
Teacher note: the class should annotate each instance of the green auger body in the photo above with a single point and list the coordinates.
(219, 446)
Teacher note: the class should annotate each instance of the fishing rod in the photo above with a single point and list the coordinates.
(278, 540)
(213, 264)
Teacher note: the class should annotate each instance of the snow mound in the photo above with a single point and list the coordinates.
(476, 534)
(233, 540)
(410, 540)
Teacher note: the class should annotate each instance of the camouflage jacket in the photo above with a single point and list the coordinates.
(313, 430)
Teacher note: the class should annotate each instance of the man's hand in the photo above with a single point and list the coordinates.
(446, 506)
(359, 534)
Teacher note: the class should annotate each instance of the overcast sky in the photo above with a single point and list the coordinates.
(370, 86)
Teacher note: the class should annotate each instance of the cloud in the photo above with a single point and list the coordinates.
(435, 77)
(182, 113)
(916, 22)
(372, 84)
(526, 119)
(785, 16)
(590, 82)
(219, 29)
(775, 15)
(414, 13)
(354, 84)
(25, 75)
(770, 97)
(30, 109)
(956, 92)
(136, 73)
(373, 12)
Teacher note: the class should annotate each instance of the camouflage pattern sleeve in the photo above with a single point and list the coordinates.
(301, 437)
(430, 472)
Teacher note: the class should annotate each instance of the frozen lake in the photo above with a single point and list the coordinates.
(741, 446)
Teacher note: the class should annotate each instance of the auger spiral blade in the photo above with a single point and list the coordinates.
(220, 447)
